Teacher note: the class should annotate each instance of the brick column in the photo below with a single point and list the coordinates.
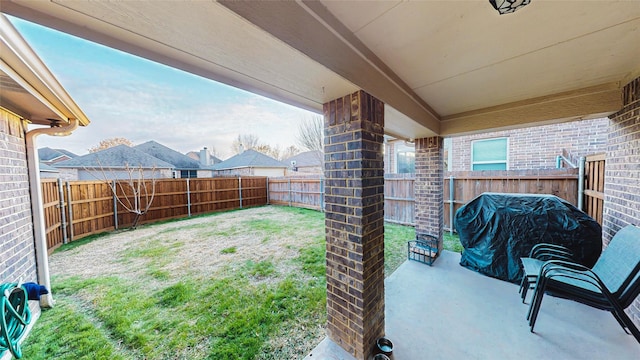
(354, 220)
(429, 187)
(622, 172)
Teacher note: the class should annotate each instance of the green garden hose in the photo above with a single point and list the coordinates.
(14, 317)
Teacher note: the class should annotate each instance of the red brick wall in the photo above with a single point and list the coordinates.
(622, 171)
(537, 147)
(354, 220)
(17, 253)
(428, 187)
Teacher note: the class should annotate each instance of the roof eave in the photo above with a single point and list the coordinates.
(23, 65)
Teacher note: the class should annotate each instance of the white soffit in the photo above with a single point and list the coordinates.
(203, 38)
(464, 56)
(400, 126)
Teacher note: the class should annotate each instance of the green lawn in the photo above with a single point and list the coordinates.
(246, 308)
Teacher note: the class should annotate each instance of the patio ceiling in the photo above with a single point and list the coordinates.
(441, 67)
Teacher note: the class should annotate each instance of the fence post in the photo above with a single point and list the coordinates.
(70, 207)
(240, 189)
(322, 194)
(289, 182)
(63, 218)
(268, 199)
(581, 181)
(451, 204)
(188, 199)
(115, 205)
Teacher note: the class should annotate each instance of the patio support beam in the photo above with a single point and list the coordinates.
(429, 187)
(354, 220)
(314, 31)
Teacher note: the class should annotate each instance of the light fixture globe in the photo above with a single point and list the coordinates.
(508, 6)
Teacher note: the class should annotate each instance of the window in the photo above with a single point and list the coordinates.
(406, 161)
(448, 154)
(489, 154)
(186, 174)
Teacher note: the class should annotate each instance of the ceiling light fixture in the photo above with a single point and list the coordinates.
(508, 6)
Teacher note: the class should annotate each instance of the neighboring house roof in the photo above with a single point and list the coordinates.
(116, 157)
(195, 155)
(49, 154)
(306, 159)
(178, 160)
(46, 168)
(215, 160)
(249, 158)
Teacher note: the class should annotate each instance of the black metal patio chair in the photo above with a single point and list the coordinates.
(538, 255)
(612, 285)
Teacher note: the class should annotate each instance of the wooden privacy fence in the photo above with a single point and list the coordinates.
(594, 186)
(399, 201)
(459, 188)
(76, 209)
(304, 192)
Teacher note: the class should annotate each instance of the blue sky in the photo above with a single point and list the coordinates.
(127, 96)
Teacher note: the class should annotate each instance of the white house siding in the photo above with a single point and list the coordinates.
(205, 173)
(269, 172)
(49, 175)
(306, 170)
(68, 174)
(251, 171)
(17, 253)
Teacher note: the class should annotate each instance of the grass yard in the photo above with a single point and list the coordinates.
(245, 284)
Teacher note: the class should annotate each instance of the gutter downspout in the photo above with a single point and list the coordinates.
(39, 230)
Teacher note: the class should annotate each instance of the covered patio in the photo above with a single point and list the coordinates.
(449, 312)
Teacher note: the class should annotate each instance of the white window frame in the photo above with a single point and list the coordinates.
(506, 161)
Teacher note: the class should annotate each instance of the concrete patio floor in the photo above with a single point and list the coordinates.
(449, 312)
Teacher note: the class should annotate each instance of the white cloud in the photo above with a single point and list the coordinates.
(125, 96)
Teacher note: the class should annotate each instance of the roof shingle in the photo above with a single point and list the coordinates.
(48, 154)
(178, 160)
(249, 158)
(307, 158)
